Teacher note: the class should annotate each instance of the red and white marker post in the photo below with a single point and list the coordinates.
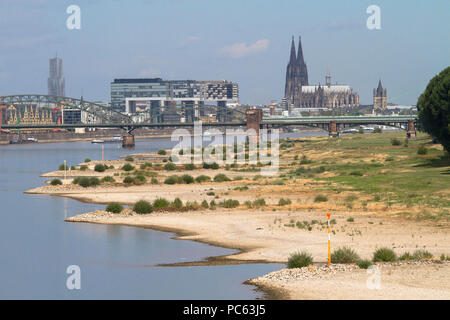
(329, 239)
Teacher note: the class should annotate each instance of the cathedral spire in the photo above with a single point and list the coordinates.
(380, 89)
(293, 56)
(300, 51)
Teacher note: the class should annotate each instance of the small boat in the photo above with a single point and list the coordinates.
(23, 141)
(115, 139)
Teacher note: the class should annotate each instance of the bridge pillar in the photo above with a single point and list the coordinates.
(410, 129)
(128, 141)
(333, 130)
(254, 118)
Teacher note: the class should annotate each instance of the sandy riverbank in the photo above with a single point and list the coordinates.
(262, 237)
(363, 220)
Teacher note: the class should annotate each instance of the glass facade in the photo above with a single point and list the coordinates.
(171, 89)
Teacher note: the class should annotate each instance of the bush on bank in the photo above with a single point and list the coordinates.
(114, 207)
(299, 260)
(143, 207)
(100, 167)
(344, 255)
(56, 182)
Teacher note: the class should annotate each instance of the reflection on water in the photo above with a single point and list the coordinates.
(117, 262)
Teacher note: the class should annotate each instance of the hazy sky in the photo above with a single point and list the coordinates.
(246, 41)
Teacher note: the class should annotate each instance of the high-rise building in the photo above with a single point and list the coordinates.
(56, 84)
(299, 94)
(379, 98)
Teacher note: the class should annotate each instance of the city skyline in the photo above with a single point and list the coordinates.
(249, 50)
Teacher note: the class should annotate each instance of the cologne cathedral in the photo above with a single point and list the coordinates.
(299, 94)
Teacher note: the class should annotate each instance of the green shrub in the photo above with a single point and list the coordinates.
(87, 160)
(107, 179)
(210, 193)
(213, 166)
(364, 264)
(171, 180)
(357, 173)
(177, 203)
(94, 181)
(100, 167)
(230, 203)
(76, 180)
(128, 180)
(84, 182)
(384, 255)
(154, 181)
(283, 202)
(143, 207)
(248, 204)
(55, 182)
(129, 159)
(162, 152)
(205, 204)
(350, 219)
(161, 203)
(406, 257)
(320, 198)
(140, 179)
(299, 260)
(63, 167)
(305, 160)
(260, 202)
(202, 178)
(83, 167)
(395, 142)
(422, 150)
(114, 207)
(422, 255)
(189, 166)
(238, 178)
(389, 159)
(188, 179)
(127, 167)
(344, 255)
(170, 166)
(73, 168)
(221, 178)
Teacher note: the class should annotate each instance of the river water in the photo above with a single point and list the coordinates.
(116, 262)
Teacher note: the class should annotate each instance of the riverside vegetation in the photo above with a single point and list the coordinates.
(358, 173)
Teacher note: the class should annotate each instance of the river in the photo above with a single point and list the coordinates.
(116, 262)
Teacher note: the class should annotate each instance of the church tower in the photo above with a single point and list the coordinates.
(296, 75)
(289, 89)
(379, 97)
(302, 71)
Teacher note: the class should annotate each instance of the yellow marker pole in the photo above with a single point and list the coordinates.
(65, 171)
(329, 239)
